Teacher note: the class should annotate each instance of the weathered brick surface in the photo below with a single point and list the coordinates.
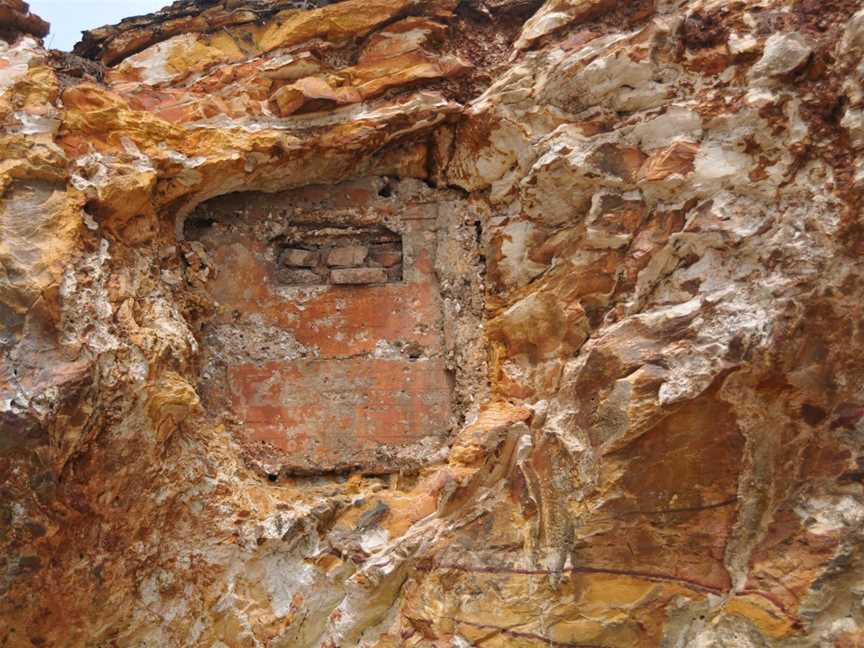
(358, 276)
(300, 276)
(347, 256)
(336, 321)
(340, 413)
(299, 258)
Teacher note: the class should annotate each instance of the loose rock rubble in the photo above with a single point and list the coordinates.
(426, 324)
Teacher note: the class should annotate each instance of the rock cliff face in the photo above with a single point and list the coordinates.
(432, 324)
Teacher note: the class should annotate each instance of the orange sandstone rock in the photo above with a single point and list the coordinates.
(384, 323)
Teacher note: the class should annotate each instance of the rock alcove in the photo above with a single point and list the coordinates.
(328, 349)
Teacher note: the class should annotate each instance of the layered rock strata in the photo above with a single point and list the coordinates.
(429, 323)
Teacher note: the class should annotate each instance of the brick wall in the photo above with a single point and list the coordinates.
(327, 352)
(339, 255)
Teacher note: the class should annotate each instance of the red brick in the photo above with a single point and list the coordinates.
(358, 276)
(347, 256)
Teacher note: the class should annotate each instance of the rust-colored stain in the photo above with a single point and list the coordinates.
(337, 412)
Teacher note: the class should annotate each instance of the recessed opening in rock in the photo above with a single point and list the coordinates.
(327, 351)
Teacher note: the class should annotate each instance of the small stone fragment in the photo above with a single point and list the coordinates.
(783, 54)
(674, 159)
(742, 44)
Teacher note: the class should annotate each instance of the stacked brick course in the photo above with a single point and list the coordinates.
(341, 256)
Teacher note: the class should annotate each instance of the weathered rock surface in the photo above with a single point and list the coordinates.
(390, 323)
(15, 17)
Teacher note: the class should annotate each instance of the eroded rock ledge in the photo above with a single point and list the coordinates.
(15, 17)
(391, 323)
